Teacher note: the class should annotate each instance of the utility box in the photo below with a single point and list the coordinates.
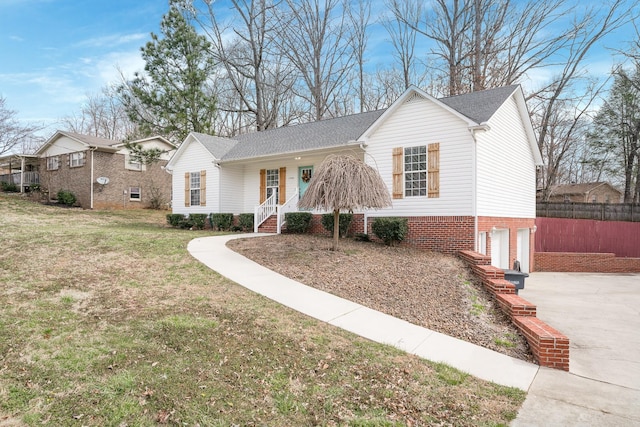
(516, 277)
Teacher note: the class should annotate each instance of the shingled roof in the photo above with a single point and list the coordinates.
(302, 137)
(480, 106)
(477, 106)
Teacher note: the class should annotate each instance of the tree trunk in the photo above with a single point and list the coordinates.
(336, 229)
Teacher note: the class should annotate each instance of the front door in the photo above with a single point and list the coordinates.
(500, 248)
(523, 249)
(304, 176)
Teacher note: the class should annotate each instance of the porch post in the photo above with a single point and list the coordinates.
(22, 174)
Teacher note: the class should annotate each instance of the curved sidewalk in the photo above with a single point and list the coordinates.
(374, 325)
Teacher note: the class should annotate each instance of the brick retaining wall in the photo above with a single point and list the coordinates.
(585, 263)
(550, 348)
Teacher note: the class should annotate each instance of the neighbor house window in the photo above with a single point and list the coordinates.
(77, 159)
(132, 164)
(416, 171)
(195, 190)
(134, 194)
(53, 163)
(273, 176)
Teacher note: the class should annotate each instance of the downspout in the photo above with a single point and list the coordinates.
(474, 185)
(91, 149)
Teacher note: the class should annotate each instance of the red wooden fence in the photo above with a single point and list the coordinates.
(588, 236)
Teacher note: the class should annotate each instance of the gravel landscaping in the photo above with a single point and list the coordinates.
(428, 289)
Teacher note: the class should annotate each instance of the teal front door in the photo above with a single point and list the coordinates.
(304, 176)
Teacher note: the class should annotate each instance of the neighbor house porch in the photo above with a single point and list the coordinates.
(20, 170)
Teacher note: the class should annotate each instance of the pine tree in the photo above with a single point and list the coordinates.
(173, 96)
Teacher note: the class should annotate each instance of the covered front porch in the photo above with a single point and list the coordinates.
(21, 170)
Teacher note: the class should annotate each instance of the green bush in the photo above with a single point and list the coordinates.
(178, 221)
(345, 222)
(9, 187)
(391, 230)
(221, 221)
(66, 197)
(362, 237)
(198, 221)
(298, 222)
(245, 221)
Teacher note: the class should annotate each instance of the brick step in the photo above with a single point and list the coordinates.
(514, 305)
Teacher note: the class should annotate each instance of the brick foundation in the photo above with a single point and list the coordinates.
(550, 348)
(585, 263)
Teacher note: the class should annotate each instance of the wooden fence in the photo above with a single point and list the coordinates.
(597, 211)
(588, 236)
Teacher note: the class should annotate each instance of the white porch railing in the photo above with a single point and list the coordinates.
(21, 179)
(289, 206)
(270, 207)
(264, 211)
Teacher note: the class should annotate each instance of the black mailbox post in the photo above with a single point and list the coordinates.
(516, 277)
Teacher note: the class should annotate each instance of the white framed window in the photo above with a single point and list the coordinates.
(135, 194)
(53, 163)
(273, 182)
(194, 192)
(415, 171)
(77, 159)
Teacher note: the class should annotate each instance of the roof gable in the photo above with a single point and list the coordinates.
(214, 145)
(85, 140)
(583, 188)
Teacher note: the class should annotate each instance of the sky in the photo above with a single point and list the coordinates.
(54, 53)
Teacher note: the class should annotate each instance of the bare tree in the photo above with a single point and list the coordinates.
(549, 103)
(360, 14)
(102, 115)
(13, 133)
(245, 48)
(402, 30)
(315, 37)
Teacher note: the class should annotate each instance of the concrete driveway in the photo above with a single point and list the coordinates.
(600, 313)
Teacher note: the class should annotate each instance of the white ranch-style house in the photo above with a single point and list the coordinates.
(462, 169)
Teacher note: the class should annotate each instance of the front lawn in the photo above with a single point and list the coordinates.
(106, 320)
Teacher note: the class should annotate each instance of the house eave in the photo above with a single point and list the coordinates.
(355, 145)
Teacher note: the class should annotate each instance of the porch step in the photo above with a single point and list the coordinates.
(270, 225)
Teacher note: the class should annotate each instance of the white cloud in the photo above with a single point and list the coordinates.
(112, 40)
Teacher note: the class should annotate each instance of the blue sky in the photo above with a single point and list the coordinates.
(53, 53)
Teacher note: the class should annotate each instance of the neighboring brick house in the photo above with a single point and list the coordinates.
(101, 174)
(588, 192)
(462, 169)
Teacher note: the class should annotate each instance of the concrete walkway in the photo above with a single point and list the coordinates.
(374, 325)
(601, 316)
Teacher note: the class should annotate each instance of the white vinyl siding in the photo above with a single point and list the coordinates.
(196, 158)
(506, 171)
(421, 122)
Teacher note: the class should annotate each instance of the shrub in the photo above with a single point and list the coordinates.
(390, 230)
(298, 222)
(176, 220)
(198, 221)
(362, 237)
(345, 222)
(221, 221)
(66, 197)
(245, 221)
(9, 187)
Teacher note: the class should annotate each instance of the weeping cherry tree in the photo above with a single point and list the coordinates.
(344, 182)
